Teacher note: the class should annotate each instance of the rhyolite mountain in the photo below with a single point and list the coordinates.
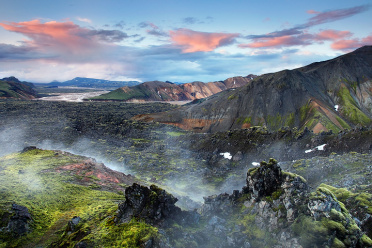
(167, 91)
(331, 95)
(11, 87)
(91, 83)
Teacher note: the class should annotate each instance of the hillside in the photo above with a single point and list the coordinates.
(167, 91)
(58, 199)
(329, 95)
(11, 87)
(90, 83)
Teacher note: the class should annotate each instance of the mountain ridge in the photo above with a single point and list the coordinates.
(90, 82)
(167, 91)
(329, 95)
(11, 87)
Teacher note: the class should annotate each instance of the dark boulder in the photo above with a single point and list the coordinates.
(264, 180)
(150, 204)
(17, 221)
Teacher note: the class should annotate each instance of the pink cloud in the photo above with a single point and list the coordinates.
(312, 12)
(351, 44)
(341, 40)
(63, 37)
(333, 35)
(193, 41)
(278, 41)
(51, 34)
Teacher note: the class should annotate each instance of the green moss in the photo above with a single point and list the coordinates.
(366, 241)
(254, 234)
(304, 112)
(31, 179)
(293, 175)
(312, 233)
(252, 171)
(350, 108)
(278, 121)
(363, 200)
(334, 226)
(338, 244)
(232, 97)
(343, 123)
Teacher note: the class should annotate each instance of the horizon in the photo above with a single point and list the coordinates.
(146, 41)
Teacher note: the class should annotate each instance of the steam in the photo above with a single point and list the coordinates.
(11, 140)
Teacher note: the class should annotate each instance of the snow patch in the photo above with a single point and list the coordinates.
(226, 155)
(318, 148)
(255, 163)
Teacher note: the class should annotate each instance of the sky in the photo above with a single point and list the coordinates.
(174, 40)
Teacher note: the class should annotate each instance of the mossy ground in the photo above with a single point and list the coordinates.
(30, 179)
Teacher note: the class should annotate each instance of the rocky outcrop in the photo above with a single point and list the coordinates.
(153, 205)
(15, 222)
(278, 209)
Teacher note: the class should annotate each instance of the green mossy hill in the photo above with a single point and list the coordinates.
(32, 179)
(12, 88)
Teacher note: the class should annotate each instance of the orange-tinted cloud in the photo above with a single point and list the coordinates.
(312, 12)
(193, 41)
(66, 37)
(351, 44)
(339, 39)
(333, 35)
(278, 41)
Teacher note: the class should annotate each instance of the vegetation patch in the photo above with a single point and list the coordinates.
(29, 179)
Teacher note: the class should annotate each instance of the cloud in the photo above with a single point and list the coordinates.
(153, 29)
(334, 15)
(332, 35)
(193, 41)
(298, 35)
(63, 39)
(84, 20)
(317, 19)
(120, 25)
(347, 45)
(12, 53)
(302, 39)
(279, 42)
(310, 11)
(108, 35)
(190, 20)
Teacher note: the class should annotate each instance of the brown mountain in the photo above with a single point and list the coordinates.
(167, 91)
(333, 94)
(11, 87)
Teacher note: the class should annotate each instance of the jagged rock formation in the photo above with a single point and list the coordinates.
(329, 95)
(167, 91)
(153, 205)
(275, 209)
(11, 87)
(15, 222)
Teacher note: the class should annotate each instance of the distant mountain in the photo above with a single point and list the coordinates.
(329, 95)
(11, 87)
(167, 91)
(91, 83)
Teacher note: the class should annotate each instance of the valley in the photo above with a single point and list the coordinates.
(272, 163)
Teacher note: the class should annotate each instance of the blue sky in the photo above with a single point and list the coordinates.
(178, 41)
